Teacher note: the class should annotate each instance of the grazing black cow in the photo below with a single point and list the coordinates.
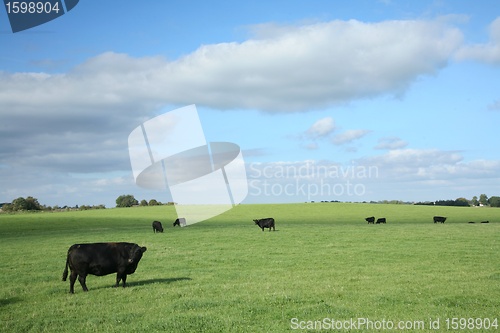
(157, 227)
(485, 221)
(101, 259)
(439, 219)
(370, 219)
(472, 222)
(381, 220)
(181, 222)
(268, 222)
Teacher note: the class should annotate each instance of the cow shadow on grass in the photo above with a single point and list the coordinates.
(153, 281)
(140, 283)
(8, 301)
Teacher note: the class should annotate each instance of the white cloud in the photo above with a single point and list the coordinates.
(489, 52)
(431, 164)
(297, 68)
(321, 128)
(415, 157)
(391, 143)
(349, 136)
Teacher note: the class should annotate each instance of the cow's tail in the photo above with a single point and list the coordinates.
(65, 273)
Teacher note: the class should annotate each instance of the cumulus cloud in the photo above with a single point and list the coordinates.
(430, 165)
(284, 69)
(321, 128)
(349, 136)
(391, 143)
(416, 158)
(290, 69)
(488, 52)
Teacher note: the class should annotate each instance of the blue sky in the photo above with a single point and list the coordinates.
(328, 100)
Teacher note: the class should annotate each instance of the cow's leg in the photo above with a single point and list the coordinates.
(72, 280)
(118, 279)
(121, 276)
(81, 278)
(262, 228)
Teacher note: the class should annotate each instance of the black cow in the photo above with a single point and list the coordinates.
(268, 222)
(101, 259)
(381, 220)
(485, 221)
(157, 227)
(370, 219)
(439, 219)
(180, 222)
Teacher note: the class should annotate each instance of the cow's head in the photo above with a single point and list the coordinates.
(136, 254)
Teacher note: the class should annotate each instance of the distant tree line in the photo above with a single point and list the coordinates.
(483, 200)
(31, 204)
(128, 200)
(392, 202)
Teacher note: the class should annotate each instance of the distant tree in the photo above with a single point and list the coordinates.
(32, 204)
(494, 201)
(153, 202)
(127, 200)
(143, 203)
(462, 202)
(474, 201)
(19, 204)
(483, 199)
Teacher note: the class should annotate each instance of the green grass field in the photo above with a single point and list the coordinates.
(225, 275)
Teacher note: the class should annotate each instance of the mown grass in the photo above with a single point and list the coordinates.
(225, 275)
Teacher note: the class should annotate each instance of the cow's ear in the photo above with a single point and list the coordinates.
(143, 249)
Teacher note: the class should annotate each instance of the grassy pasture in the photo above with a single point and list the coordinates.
(225, 275)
